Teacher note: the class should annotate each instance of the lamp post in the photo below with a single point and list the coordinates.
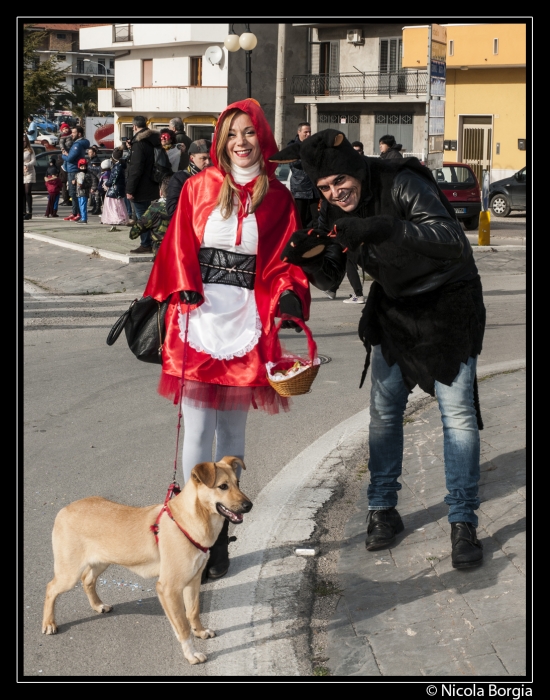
(88, 60)
(246, 41)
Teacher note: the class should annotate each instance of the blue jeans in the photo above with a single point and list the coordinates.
(461, 442)
(129, 208)
(83, 205)
(72, 193)
(141, 208)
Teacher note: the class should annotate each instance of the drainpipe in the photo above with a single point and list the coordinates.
(280, 87)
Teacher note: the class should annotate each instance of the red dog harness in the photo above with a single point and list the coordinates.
(173, 490)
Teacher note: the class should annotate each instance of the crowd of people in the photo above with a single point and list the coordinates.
(235, 250)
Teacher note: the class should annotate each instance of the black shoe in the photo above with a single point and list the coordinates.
(142, 249)
(27, 217)
(218, 561)
(467, 549)
(382, 527)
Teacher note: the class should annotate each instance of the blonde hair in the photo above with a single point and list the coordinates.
(225, 198)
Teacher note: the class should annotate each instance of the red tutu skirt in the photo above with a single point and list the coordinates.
(222, 397)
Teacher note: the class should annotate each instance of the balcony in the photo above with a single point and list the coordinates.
(401, 83)
(163, 100)
(90, 69)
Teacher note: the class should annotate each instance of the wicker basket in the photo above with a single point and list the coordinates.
(299, 383)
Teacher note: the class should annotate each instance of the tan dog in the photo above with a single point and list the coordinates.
(92, 533)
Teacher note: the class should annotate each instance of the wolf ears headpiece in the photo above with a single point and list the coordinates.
(323, 154)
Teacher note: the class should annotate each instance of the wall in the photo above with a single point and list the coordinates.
(501, 93)
(171, 67)
(473, 45)
(264, 72)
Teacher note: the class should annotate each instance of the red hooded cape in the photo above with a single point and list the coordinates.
(176, 267)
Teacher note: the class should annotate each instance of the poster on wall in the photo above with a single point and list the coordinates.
(100, 131)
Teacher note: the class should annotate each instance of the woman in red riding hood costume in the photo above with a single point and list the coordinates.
(220, 265)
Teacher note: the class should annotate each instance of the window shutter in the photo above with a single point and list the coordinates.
(334, 67)
(315, 55)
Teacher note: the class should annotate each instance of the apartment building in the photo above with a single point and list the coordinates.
(485, 97)
(163, 71)
(63, 40)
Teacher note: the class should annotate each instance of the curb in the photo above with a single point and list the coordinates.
(265, 570)
(90, 250)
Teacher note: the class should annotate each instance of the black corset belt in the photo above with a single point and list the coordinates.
(223, 267)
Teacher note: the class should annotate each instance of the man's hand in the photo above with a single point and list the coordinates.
(128, 196)
(303, 244)
(353, 232)
(290, 305)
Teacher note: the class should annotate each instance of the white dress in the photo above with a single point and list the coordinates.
(227, 324)
(29, 160)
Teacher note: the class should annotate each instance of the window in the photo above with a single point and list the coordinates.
(111, 64)
(61, 36)
(391, 53)
(61, 57)
(196, 71)
(451, 47)
(80, 66)
(495, 46)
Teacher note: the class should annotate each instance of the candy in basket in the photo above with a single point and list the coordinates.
(291, 375)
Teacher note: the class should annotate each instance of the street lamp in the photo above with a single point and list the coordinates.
(246, 41)
(88, 60)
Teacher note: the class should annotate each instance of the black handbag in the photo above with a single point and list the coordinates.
(143, 324)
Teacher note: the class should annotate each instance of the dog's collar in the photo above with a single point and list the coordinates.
(155, 528)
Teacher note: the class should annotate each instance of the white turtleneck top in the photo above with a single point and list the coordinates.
(227, 324)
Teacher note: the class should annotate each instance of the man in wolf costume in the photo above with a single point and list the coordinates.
(423, 322)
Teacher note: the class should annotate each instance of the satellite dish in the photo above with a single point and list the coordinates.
(214, 54)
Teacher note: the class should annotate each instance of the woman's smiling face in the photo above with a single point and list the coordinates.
(243, 147)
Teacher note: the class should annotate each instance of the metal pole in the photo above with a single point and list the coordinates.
(428, 96)
(280, 88)
(248, 73)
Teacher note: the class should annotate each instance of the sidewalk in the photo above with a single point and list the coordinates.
(405, 611)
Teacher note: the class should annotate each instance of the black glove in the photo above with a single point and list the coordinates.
(352, 232)
(303, 244)
(190, 298)
(290, 304)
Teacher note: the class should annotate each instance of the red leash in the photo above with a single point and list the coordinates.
(174, 487)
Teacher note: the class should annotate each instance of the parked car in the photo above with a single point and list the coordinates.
(42, 163)
(45, 124)
(38, 148)
(508, 194)
(283, 174)
(461, 187)
(45, 138)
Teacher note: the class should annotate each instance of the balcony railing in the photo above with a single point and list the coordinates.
(85, 68)
(123, 98)
(123, 32)
(405, 82)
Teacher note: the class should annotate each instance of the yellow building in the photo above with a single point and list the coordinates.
(485, 100)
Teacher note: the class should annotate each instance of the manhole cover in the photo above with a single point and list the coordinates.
(324, 359)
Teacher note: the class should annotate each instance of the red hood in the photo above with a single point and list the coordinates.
(263, 130)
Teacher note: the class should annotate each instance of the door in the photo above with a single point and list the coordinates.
(147, 72)
(391, 79)
(397, 124)
(516, 188)
(477, 144)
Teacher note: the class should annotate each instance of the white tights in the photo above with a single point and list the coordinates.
(201, 426)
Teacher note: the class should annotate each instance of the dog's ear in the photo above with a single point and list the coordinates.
(233, 462)
(205, 473)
